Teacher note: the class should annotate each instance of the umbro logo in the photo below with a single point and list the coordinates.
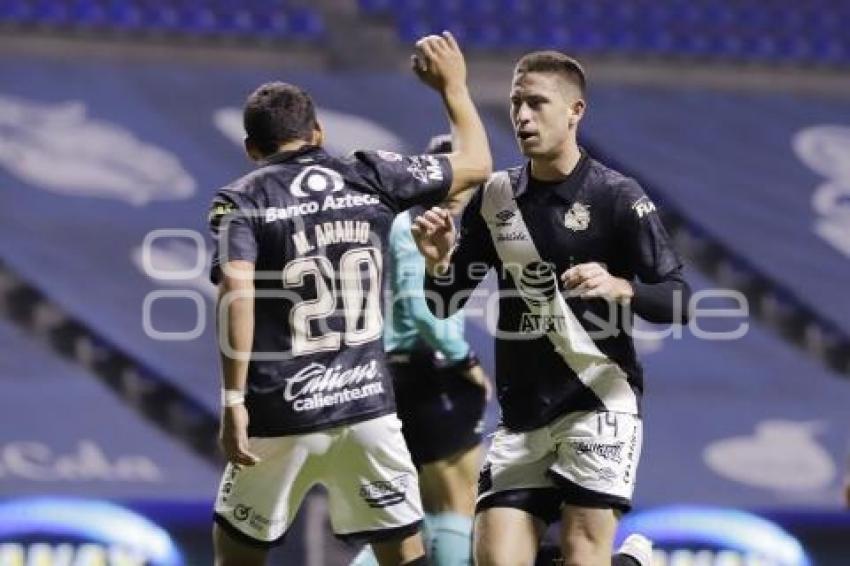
(505, 215)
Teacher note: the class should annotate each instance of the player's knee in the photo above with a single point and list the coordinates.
(585, 548)
(500, 543)
(406, 551)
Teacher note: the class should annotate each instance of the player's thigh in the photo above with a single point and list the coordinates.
(399, 551)
(258, 503)
(587, 535)
(505, 536)
(449, 485)
(516, 474)
(372, 485)
(231, 551)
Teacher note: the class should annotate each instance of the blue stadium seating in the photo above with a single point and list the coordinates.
(65, 434)
(729, 162)
(781, 32)
(250, 20)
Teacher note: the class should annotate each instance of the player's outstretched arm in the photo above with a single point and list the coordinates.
(440, 64)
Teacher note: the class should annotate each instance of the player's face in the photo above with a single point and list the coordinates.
(544, 111)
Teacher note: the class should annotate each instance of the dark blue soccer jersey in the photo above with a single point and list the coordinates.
(316, 227)
(556, 353)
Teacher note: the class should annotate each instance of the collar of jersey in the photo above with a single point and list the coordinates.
(284, 156)
(565, 189)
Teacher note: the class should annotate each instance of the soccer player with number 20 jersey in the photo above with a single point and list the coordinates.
(307, 397)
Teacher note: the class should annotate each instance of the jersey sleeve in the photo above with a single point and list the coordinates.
(652, 258)
(234, 226)
(406, 180)
(651, 255)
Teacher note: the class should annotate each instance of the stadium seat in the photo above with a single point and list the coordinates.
(723, 30)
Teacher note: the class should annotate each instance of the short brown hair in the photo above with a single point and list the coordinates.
(277, 113)
(554, 62)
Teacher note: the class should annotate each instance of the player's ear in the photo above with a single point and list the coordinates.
(318, 134)
(251, 149)
(577, 112)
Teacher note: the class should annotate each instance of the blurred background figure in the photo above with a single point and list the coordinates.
(441, 391)
(119, 119)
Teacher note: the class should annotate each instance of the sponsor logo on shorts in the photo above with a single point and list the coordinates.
(607, 475)
(379, 494)
(608, 451)
(425, 168)
(630, 457)
(246, 514)
(317, 386)
(241, 512)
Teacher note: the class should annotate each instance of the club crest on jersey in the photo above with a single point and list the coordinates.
(577, 217)
(316, 179)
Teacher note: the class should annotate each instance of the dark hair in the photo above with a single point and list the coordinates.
(277, 113)
(554, 62)
(441, 143)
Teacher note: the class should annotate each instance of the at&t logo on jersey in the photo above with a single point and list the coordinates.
(537, 283)
(316, 179)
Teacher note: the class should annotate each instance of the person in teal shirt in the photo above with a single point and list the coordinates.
(441, 392)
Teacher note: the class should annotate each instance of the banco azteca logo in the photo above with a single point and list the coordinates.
(316, 179)
(537, 283)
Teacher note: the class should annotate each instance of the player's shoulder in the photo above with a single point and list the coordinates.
(609, 182)
(248, 187)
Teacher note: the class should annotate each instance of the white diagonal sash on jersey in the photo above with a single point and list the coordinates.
(539, 288)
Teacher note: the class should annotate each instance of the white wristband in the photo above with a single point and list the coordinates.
(232, 397)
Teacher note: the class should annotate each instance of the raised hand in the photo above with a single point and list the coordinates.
(435, 235)
(439, 62)
(592, 281)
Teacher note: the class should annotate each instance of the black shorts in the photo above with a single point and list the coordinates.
(441, 411)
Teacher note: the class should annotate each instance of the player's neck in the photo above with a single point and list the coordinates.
(555, 168)
(293, 145)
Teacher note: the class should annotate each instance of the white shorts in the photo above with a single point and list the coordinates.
(586, 459)
(371, 482)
